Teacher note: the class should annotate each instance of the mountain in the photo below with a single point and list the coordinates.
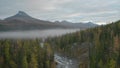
(77, 25)
(19, 15)
(22, 21)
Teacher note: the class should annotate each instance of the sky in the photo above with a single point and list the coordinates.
(97, 11)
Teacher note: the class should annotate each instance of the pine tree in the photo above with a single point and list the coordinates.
(33, 63)
(24, 62)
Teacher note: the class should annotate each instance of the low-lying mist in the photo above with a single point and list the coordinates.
(31, 34)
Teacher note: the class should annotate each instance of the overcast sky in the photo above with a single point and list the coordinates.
(98, 11)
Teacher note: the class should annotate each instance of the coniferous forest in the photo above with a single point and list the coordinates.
(97, 47)
(25, 54)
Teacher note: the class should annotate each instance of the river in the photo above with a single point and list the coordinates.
(65, 62)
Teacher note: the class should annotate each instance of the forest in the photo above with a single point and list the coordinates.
(97, 47)
(25, 54)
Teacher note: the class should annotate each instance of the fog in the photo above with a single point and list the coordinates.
(35, 33)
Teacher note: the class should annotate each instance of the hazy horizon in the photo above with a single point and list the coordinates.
(97, 11)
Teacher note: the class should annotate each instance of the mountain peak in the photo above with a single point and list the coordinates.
(22, 13)
(64, 21)
(19, 15)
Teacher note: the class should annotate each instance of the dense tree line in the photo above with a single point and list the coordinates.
(97, 47)
(101, 44)
(25, 54)
(105, 52)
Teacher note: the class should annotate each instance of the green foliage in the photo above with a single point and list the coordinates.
(24, 63)
(25, 54)
(13, 64)
(99, 48)
(102, 43)
(33, 63)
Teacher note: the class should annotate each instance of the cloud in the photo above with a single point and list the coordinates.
(72, 10)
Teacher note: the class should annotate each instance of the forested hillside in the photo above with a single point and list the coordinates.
(105, 52)
(25, 54)
(97, 47)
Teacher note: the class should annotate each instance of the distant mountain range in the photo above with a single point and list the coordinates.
(22, 21)
(76, 25)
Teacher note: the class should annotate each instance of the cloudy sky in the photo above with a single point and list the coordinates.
(98, 11)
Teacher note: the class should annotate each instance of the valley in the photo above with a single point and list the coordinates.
(59, 33)
(66, 49)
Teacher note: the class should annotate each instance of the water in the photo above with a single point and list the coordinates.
(35, 33)
(64, 62)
